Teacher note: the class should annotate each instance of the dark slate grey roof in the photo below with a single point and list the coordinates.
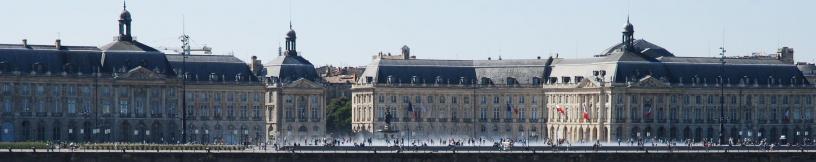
(42, 61)
(225, 67)
(645, 47)
(627, 66)
(451, 71)
(114, 61)
(288, 68)
(131, 46)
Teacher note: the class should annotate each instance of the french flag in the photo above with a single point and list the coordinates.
(560, 109)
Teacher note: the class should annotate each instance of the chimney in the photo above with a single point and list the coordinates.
(254, 65)
(25, 43)
(58, 44)
(785, 54)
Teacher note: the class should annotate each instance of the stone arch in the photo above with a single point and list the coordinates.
(156, 132)
(647, 132)
(25, 131)
(635, 133)
(661, 133)
(125, 133)
(205, 134)
(698, 134)
(56, 130)
(7, 132)
(773, 135)
(710, 133)
(141, 132)
(219, 134)
(40, 131)
(73, 131)
(687, 133)
(85, 132)
(673, 133)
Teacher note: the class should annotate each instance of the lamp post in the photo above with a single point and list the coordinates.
(722, 95)
(185, 40)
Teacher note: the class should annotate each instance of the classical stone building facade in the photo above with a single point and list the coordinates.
(124, 91)
(451, 97)
(295, 96)
(633, 90)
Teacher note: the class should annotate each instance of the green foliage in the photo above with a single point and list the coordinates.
(23, 145)
(338, 120)
(136, 146)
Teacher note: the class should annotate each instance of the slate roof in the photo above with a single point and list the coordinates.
(627, 66)
(225, 67)
(288, 68)
(452, 71)
(131, 46)
(88, 59)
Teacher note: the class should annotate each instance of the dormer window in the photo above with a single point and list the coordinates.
(438, 80)
(565, 80)
(462, 80)
(414, 79)
(213, 77)
(486, 81)
(239, 77)
(578, 79)
(536, 80)
(390, 79)
(511, 81)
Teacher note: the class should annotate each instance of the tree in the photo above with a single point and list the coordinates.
(338, 120)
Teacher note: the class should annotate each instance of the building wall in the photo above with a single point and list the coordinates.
(295, 113)
(614, 111)
(91, 108)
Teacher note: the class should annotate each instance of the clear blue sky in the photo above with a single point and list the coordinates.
(349, 32)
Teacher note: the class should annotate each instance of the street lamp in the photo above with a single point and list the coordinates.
(722, 94)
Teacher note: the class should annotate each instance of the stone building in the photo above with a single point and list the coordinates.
(451, 97)
(632, 90)
(123, 91)
(295, 96)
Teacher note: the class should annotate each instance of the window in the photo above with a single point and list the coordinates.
(71, 106)
(496, 99)
(24, 105)
(430, 99)
(244, 112)
(454, 99)
(86, 106)
(495, 111)
(484, 100)
(381, 99)
(467, 99)
(106, 106)
(534, 113)
(257, 110)
(230, 110)
(7, 105)
(205, 112)
(315, 108)
(123, 107)
(521, 112)
(483, 113)
(217, 110)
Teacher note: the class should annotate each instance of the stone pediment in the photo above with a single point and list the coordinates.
(650, 82)
(588, 83)
(141, 73)
(303, 83)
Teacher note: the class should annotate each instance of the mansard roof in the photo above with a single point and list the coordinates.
(226, 68)
(456, 71)
(288, 68)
